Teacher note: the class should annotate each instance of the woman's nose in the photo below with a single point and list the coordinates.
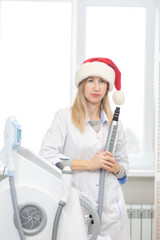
(96, 85)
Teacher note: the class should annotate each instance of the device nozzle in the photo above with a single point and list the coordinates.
(116, 114)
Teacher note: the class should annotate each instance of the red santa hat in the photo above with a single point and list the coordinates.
(104, 68)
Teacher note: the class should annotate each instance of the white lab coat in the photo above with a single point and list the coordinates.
(63, 140)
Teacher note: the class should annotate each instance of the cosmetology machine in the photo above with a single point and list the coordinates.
(38, 200)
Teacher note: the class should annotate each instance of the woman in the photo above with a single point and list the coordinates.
(77, 138)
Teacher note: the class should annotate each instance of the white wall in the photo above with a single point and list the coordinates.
(139, 190)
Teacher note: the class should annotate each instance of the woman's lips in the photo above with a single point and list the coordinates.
(95, 95)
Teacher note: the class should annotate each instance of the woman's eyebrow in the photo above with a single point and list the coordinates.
(90, 77)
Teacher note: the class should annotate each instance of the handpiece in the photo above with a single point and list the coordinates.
(12, 141)
(108, 147)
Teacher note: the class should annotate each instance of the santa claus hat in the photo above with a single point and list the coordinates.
(104, 68)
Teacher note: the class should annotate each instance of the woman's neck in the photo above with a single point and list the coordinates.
(94, 112)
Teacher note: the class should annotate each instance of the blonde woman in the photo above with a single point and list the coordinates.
(77, 138)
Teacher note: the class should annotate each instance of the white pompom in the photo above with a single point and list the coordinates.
(118, 97)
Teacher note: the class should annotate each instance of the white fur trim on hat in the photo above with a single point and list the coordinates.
(98, 69)
(118, 97)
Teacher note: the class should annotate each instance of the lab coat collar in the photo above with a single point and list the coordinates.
(103, 118)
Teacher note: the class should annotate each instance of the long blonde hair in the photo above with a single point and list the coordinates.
(79, 109)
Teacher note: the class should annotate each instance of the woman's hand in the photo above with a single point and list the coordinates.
(104, 160)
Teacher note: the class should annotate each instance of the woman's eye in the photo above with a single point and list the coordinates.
(102, 81)
(90, 80)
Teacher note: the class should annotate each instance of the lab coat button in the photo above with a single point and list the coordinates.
(97, 185)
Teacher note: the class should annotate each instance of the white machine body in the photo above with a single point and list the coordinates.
(38, 183)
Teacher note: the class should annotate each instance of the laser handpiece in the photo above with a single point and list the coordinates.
(12, 141)
(108, 147)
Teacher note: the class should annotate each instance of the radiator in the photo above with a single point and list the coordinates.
(141, 219)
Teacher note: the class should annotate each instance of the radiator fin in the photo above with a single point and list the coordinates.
(158, 211)
(141, 218)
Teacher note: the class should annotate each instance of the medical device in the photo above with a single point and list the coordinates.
(44, 203)
(12, 141)
(108, 147)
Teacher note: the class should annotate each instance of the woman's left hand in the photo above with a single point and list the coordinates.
(111, 164)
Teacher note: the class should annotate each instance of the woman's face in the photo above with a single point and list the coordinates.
(95, 89)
